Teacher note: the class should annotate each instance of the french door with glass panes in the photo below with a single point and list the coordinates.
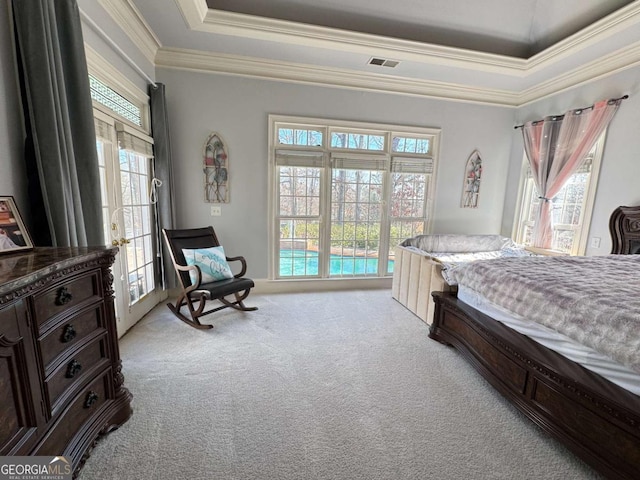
(125, 173)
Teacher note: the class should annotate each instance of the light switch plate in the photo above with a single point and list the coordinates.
(216, 210)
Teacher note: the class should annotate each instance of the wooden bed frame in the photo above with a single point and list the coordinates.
(596, 419)
(624, 226)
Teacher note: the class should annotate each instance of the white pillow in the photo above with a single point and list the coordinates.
(458, 243)
(212, 262)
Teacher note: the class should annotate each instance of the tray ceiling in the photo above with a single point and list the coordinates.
(502, 52)
(519, 28)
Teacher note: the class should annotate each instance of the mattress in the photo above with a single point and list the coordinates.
(598, 363)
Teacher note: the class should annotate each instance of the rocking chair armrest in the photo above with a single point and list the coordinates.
(187, 268)
(244, 265)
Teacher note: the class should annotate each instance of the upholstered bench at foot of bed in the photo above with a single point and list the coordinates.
(419, 263)
(415, 276)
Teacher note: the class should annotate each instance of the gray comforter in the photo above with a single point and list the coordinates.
(593, 300)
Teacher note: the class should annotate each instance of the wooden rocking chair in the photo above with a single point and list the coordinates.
(196, 292)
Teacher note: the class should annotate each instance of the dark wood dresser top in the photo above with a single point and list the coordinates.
(20, 269)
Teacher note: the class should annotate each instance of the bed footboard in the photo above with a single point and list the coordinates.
(597, 420)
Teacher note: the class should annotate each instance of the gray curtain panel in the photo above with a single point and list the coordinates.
(163, 171)
(58, 110)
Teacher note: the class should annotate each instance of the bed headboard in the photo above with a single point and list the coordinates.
(624, 226)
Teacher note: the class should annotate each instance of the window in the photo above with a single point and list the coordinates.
(357, 141)
(572, 206)
(345, 194)
(116, 103)
(411, 145)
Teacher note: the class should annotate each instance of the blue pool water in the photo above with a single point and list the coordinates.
(304, 262)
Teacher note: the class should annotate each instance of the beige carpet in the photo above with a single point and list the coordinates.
(336, 385)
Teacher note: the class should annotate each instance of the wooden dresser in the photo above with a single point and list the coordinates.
(61, 385)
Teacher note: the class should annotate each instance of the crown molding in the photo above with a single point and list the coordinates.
(602, 67)
(225, 64)
(200, 18)
(330, 77)
(193, 12)
(261, 28)
(616, 22)
(130, 20)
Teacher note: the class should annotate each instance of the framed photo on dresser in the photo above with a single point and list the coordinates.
(14, 236)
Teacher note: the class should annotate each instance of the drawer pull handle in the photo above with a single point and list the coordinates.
(64, 296)
(68, 334)
(73, 368)
(92, 397)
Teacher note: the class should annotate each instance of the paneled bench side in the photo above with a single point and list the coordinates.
(415, 276)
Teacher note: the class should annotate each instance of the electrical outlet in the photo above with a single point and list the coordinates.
(216, 211)
(595, 242)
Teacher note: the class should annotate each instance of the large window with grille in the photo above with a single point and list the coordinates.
(571, 207)
(345, 194)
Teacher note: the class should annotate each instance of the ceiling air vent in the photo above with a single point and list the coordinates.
(382, 62)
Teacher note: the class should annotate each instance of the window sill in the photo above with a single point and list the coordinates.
(547, 252)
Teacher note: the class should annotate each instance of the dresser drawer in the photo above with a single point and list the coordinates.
(76, 368)
(70, 332)
(66, 296)
(87, 403)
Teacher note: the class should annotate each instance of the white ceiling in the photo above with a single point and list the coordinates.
(506, 52)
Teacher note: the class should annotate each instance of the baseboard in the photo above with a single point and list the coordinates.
(265, 286)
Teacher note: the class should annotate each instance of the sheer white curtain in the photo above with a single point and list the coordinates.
(555, 148)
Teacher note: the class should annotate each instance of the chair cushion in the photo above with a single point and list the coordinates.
(212, 262)
(222, 288)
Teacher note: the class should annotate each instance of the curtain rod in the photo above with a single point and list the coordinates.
(117, 48)
(624, 97)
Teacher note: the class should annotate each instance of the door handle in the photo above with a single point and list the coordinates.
(121, 242)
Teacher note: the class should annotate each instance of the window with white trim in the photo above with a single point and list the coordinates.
(344, 194)
(114, 102)
(572, 206)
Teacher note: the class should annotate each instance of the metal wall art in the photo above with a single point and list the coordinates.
(216, 170)
(472, 179)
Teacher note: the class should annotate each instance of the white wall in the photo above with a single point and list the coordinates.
(238, 109)
(103, 47)
(618, 183)
(12, 172)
